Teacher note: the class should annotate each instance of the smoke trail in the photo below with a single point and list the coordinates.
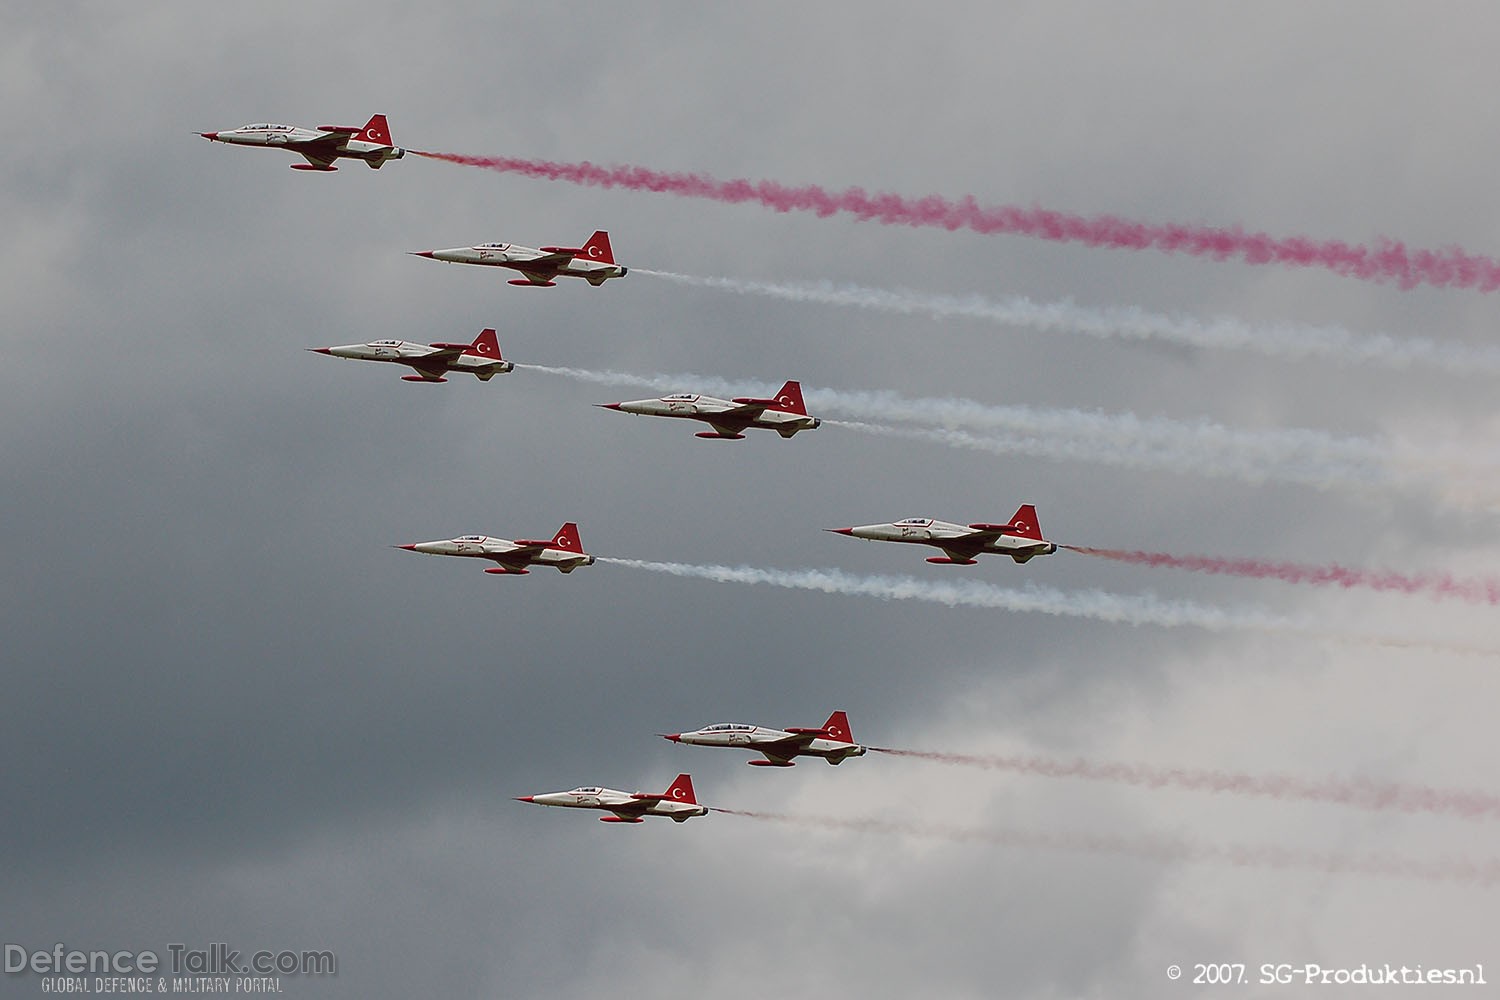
(1099, 605)
(1125, 439)
(1285, 341)
(1354, 792)
(1387, 261)
(1479, 590)
(1256, 464)
(1481, 873)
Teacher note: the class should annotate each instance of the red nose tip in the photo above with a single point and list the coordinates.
(209, 135)
(609, 406)
(674, 737)
(840, 531)
(409, 548)
(321, 350)
(420, 253)
(526, 798)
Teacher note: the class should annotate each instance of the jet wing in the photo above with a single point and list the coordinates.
(320, 157)
(553, 260)
(988, 531)
(442, 355)
(518, 558)
(745, 412)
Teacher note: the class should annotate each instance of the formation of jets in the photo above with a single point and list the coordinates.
(832, 741)
(677, 803)
(431, 361)
(784, 413)
(1020, 539)
(319, 146)
(594, 262)
(512, 558)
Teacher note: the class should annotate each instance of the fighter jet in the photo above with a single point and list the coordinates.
(1020, 539)
(319, 146)
(564, 551)
(785, 413)
(594, 262)
(677, 802)
(431, 361)
(832, 741)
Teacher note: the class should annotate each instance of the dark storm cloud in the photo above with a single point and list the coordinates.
(233, 711)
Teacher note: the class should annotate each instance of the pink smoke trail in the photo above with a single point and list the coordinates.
(1479, 590)
(1358, 793)
(1385, 261)
(1483, 873)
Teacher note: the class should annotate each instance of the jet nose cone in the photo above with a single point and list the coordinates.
(420, 253)
(320, 350)
(212, 136)
(608, 406)
(840, 531)
(409, 548)
(526, 798)
(674, 737)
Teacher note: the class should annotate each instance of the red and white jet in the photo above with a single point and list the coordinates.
(319, 146)
(431, 361)
(594, 262)
(785, 413)
(1020, 539)
(832, 741)
(564, 551)
(677, 802)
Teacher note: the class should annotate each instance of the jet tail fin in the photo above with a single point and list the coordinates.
(567, 538)
(681, 790)
(790, 399)
(486, 345)
(376, 131)
(1024, 524)
(837, 728)
(597, 249)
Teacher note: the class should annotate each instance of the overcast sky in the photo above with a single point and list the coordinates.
(232, 712)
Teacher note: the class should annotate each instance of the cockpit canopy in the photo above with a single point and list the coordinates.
(492, 246)
(469, 538)
(265, 127)
(680, 397)
(724, 727)
(587, 790)
(918, 522)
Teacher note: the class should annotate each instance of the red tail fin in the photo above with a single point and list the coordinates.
(1024, 524)
(567, 538)
(837, 728)
(376, 131)
(597, 248)
(485, 345)
(789, 399)
(681, 790)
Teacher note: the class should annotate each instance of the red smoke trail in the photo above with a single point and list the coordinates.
(1385, 261)
(1356, 792)
(1480, 873)
(1479, 590)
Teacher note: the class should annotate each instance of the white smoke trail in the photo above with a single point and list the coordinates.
(1199, 447)
(1099, 605)
(1285, 341)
